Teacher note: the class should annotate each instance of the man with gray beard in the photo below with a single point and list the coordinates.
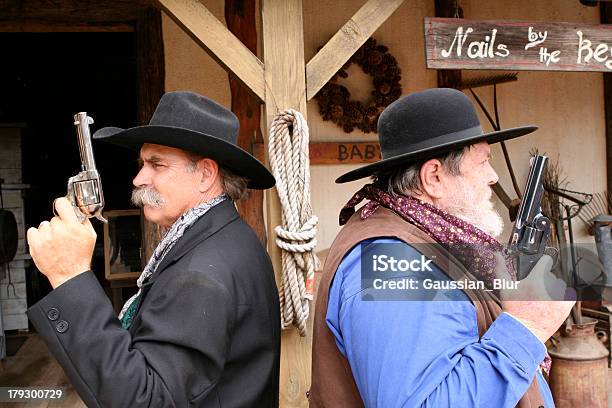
(203, 329)
(429, 217)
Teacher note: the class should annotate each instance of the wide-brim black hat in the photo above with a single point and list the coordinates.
(425, 125)
(195, 123)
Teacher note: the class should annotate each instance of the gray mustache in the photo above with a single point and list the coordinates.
(142, 196)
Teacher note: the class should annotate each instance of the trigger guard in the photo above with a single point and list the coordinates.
(80, 216)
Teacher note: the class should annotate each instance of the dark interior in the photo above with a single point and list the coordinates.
(45, 78)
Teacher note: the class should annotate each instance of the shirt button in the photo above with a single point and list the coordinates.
(53, 314)
(61, 326)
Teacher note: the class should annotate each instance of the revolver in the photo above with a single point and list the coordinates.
(85, 189)
(531, 229)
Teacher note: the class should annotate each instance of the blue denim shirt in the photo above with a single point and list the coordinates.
(429, 353)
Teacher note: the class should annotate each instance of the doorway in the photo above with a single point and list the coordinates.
(45, 79)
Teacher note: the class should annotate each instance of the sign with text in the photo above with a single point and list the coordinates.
(453, 43)
(344, 153)
(336, 152)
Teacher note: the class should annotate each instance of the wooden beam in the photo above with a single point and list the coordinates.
(606, 18)
(228, 50)
(448, 78)
(150, 66)
(283, 48)
(240, 20)
(346, 42)
(20, 26)
(71, 11)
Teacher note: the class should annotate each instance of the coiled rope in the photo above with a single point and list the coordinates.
(288, 151)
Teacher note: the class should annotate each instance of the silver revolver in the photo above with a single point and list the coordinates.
(531, 229)
(85, 189)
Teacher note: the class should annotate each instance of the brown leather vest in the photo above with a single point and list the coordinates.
(332, 380)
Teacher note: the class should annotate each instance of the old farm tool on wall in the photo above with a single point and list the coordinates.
(297, 236)
(470, 84)
(580, 360)
(600, 205)
(8, 242)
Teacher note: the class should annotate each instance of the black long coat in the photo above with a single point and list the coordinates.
(206, 333)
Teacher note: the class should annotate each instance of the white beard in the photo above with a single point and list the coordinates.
(476, 209)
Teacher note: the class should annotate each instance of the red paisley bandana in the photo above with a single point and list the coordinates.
(473, 247)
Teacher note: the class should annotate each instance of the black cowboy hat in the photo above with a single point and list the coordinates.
(427, 124)
(193, 122)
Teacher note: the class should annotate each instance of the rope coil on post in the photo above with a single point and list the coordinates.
(290, 164)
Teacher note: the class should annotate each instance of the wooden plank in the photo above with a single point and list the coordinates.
(240, 20)
(322, 153)
(9, 158)
(150, 67)
(345, 153)
(283, 50)
(12, 200)
(21, 247)
(19, 265)
(606, 18)
(517, 45)
(20, 291)
(13, 306)
(448, 78)
(15, 322)
(207, 30)
(17, 273)
(10, 175)
(67, 11)
(346, 42)
(25, 26)
(32, 366)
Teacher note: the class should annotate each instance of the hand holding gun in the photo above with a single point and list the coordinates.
(531, 229)
(85, 189)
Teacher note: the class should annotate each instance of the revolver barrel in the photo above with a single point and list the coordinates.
(85, 189)
(531, 229)
(82, 122)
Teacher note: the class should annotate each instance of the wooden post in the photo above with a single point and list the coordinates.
(606, 18)
(448, 78)
(240, 19)
(281, 83)
(151, 77)
(284, 72)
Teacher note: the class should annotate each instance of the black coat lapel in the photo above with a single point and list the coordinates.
(216, 218)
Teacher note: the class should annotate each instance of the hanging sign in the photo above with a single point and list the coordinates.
(515, 45)
(336, 152)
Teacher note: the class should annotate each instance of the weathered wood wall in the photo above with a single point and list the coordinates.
(13, 303)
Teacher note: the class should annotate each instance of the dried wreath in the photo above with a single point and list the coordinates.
(334, 99)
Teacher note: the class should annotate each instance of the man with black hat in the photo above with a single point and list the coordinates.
(429, 206)
(203, 329)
